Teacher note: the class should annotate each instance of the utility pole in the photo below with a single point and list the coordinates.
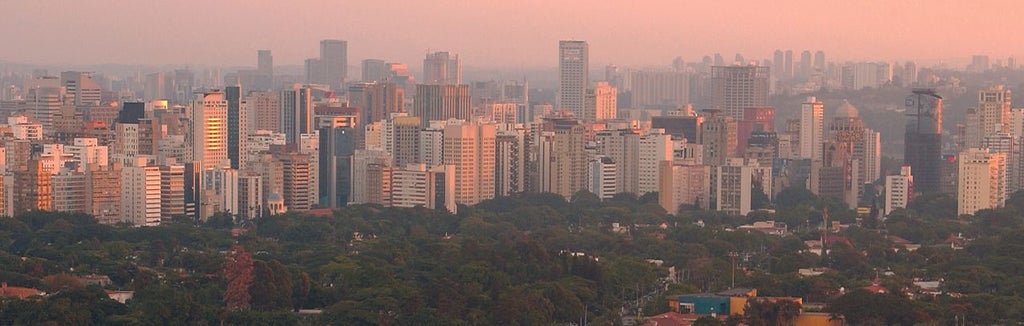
(733, 255)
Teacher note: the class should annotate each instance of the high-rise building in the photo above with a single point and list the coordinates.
(374, 70)
(264, 77)
(734, 184)
(237, 125)
(442, 68)
(209, 132)
(81, 85)
(600, 103)
(847, 129)
(510, 151)
(69, 191)
(899, 189)
(787, 65)
(404, 132)
(778, 60)
(806, 66)
(416, 185)
(561, 159)
(718, 136)
(309, 144)
(103, 195)
(735, 88)
(442, 102)
(376, 101)
(819, 61)
(250, 196)
(337, 144)
(982, 180)
(469, 148)
(263, 108)
(754, 119)
(296, 109)
(655, 147)
(573, 76)
(656, 89)
(602, 177)
(923, 139)
(992, 116)
(334, 63)
(296, 183)
(812, 128)
(172, 191)
(620, 148)
(683, 183)
(140, 194)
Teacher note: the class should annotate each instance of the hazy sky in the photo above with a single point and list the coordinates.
(509, 33)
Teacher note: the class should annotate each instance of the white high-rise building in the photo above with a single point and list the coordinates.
(140, 193)
(469, 148)
(89, 153)
(655, 147)
(309, 144)
(602, 179)
(812, 128)
(872, 155)
(981, 181)
(209, 134)
(622, 148)
(573, 76)
(416, 185)
(992, 116)
(734, 184)
(899, 190)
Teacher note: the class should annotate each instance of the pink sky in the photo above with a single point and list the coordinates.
(510, 33)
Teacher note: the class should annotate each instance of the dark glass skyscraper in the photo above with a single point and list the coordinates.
(233, 94)
(923, 151)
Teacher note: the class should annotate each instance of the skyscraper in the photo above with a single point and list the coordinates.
(778, 62)
(443, 68)
(337, 145)
(296, 110)
(718, 135)
(237, 123)
(209, 130)
(442, 102)
(787, 66)
(923, 139)
(573, 76)
(469, 147)
(561, 159)
(735, 88)
(819, 61)
(264, 77)
(600, 103)
(991, 117)
(374, 70)
(805, 64)
(812, 128)
(982, 180)
(334, 63)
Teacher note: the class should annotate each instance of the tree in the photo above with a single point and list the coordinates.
(238, 272)
(271, 287)
(766, 312)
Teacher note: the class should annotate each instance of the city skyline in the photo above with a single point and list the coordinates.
(664, 30)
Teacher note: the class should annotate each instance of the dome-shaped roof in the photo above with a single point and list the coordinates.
(275, 197)
(846, 110)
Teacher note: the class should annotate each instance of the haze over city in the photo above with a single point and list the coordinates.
(504, 34)
(647, 163)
